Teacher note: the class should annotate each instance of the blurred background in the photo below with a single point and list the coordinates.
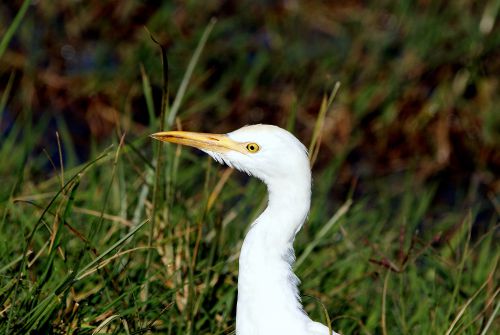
(418, 106)
(420, 79)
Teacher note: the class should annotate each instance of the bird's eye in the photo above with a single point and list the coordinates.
(253, 147)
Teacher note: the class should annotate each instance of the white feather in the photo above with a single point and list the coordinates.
(268, 296)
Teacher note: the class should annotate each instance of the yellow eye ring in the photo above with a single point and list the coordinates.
(252, 147)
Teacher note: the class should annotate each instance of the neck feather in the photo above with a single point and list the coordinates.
(267, 286)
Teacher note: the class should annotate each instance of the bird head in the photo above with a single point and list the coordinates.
(267, 152)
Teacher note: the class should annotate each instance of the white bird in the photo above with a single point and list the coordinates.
(268, 297)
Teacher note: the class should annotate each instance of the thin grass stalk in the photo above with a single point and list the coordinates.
(9, 33)
(322, 233)
(189, 72)
(148, 96)
(469, 301)
(6, 95)
(383, 320)
(490, 320)
(487, 306)
(96, 228)
(37, 225)
(326, 105)
(158, 167)
(461, 266)
(96, 260)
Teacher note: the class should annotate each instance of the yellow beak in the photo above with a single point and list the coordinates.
(205, 141)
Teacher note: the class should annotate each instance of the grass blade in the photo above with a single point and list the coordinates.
(189, 72)
(13, 26)
(82, 272)
(324, 230)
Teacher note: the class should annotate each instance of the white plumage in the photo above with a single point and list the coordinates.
(268, 297)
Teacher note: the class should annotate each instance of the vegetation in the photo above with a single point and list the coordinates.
(103, 231)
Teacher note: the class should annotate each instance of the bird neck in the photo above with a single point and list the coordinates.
(288, 206)
(267, 286)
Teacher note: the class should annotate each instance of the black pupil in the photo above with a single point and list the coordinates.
(251, 147)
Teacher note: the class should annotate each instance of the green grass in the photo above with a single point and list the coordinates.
(75, 258)
(144, 237)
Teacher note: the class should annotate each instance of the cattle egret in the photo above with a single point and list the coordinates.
(268, 297)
